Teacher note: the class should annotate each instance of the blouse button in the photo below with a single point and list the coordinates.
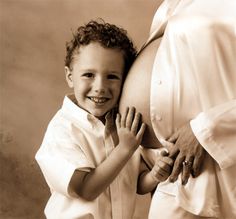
(158, 118)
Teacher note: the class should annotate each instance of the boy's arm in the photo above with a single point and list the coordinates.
(149, 179)
(146, 181)
(89, 185)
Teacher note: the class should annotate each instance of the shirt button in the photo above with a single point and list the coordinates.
(159, 82)
(158, 118)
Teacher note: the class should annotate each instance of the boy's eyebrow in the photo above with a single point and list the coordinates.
(115, 72)
(94, 70)
(88, 69)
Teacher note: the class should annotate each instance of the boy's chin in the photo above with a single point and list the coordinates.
(99, 115)
(101, 118)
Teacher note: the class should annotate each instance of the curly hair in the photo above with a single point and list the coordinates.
(108, 35)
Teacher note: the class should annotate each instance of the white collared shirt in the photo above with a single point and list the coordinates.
(194, 78)
(76, 140)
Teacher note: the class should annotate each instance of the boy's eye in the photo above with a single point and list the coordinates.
(88, 75)
(111, 76)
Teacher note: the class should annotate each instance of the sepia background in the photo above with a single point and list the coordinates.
(32, 85)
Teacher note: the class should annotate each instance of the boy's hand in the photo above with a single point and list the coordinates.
(162, 168)
(128, 130)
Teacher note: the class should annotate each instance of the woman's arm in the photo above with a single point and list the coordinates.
(213, 131)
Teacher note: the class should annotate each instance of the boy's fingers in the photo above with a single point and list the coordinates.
(123, 117)
(169, 161)
(164, 152)
(165, 165)
(141, 131)
(118, 120)
(135, 123)
(130, 117)
(161, 172)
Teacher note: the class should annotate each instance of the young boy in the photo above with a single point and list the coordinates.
(90, 162)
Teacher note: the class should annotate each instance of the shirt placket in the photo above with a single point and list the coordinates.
(115, 193)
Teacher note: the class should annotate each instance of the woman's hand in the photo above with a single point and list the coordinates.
(191, 154)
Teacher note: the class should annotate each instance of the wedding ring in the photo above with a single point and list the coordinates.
(187, 163)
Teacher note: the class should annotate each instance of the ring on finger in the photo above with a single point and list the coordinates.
(187, 163)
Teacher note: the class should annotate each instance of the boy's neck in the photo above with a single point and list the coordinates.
(101, 118)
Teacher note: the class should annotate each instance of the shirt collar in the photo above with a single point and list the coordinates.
(160, 19)
(80, 115)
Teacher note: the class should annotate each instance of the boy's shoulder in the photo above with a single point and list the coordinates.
(64, 120)
(61, 129)
(67, 115)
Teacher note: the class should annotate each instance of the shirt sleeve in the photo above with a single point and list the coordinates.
(215, 129)
(58, 157)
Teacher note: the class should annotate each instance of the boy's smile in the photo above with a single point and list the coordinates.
(96, 75)
(99, 100)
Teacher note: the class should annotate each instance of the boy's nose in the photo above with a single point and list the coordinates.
(99, 85)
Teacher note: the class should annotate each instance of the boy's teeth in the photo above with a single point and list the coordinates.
(98, 100)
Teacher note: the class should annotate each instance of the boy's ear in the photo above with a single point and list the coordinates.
(68, 75)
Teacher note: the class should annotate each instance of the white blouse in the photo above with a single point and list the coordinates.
(194, 79)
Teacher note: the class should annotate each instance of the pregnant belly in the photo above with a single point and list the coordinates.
(136, 90)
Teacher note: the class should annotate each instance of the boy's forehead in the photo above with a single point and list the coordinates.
(96, 46)
(95, 55)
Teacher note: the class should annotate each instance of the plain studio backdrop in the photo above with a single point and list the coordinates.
(32, 85)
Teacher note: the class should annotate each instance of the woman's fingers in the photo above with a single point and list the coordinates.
(177, 169)
(187, 167)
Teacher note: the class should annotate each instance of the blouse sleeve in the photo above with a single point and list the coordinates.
(215, 129)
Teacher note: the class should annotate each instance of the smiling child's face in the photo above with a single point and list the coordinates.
(96, 76)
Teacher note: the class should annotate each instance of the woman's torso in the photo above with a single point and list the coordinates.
(136, 90)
